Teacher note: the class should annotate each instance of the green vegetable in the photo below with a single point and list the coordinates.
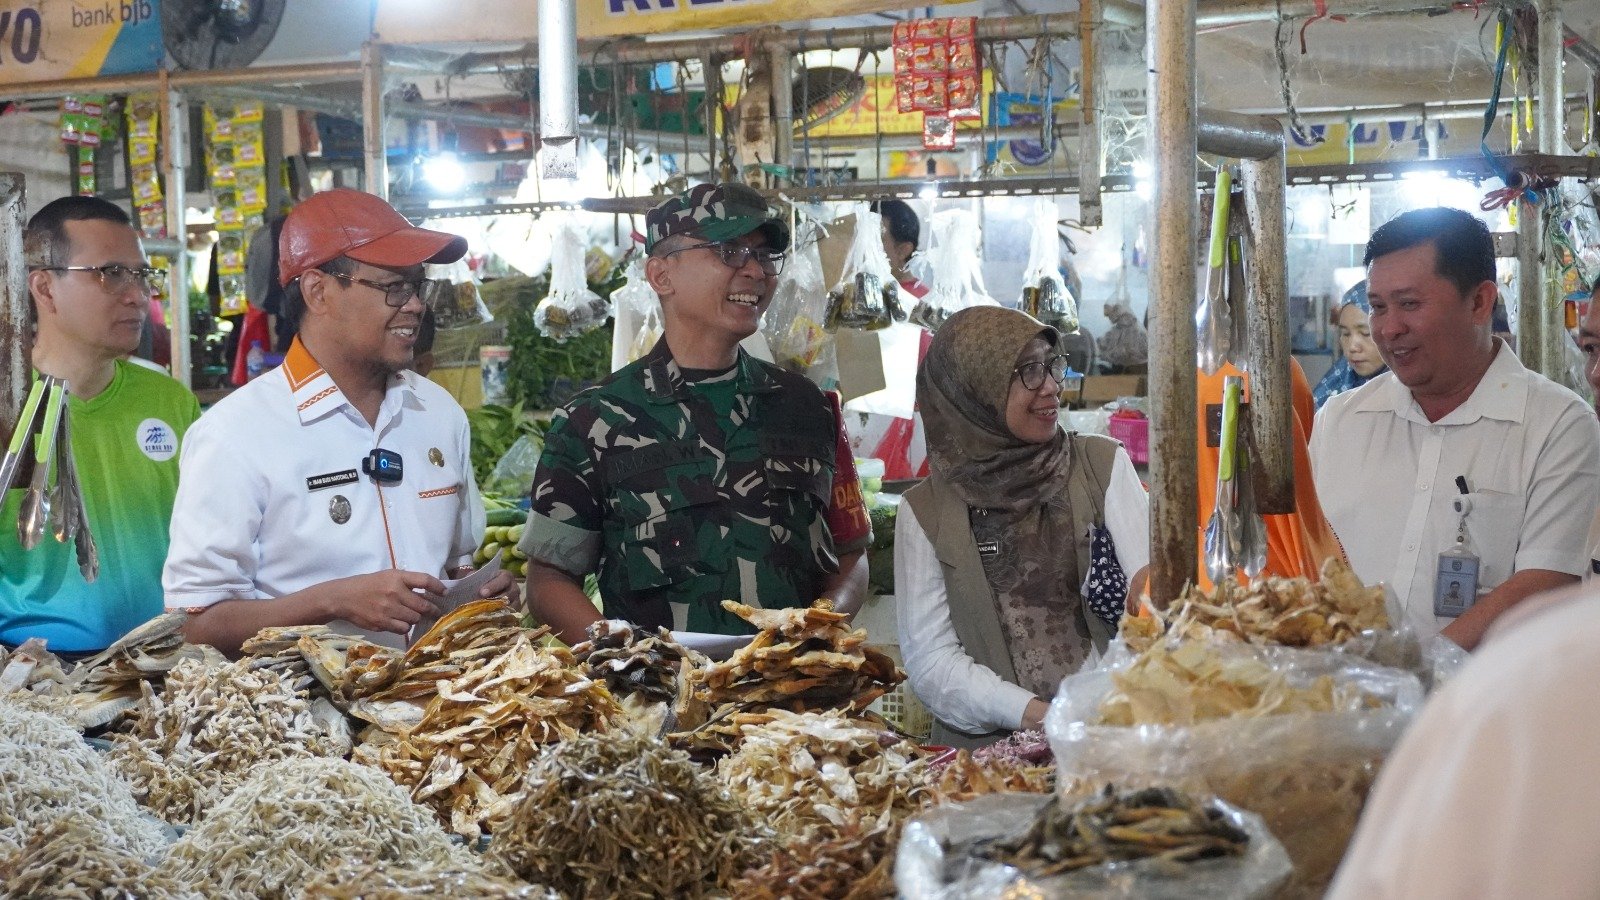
(499, 517)
(494, 430)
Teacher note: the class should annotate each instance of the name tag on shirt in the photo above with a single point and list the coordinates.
(332, 479)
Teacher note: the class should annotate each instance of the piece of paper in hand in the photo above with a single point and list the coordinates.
(456, 592)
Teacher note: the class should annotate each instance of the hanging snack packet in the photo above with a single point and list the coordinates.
(571, 308)
(1044, 292)
(866, 296)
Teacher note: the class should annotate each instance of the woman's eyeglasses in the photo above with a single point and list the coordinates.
(734, 256)
(1032, 374)
(118, 278)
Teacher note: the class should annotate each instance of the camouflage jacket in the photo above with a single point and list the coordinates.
(679, 496)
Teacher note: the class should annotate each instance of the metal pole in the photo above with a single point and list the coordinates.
(1090, 158)
(374, 146)
(1238, 12)
(1267, 325)
(1239, 137)
(16, 320)
(782, 82)
(1174, 475)
(1531, 317)
(1551, 126)
(558, 89)
(711, 74)
(174, 166)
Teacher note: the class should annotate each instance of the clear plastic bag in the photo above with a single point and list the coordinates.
(1044, 291)
(514, 472)
(571, 308)
(1306, 774)
(867, 296)
(452, 293)
(925, 871)
(955, 272)
(795, 321)
(637, 310)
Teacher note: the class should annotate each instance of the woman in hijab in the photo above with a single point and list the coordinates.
(1358, 361)
(1007, 556)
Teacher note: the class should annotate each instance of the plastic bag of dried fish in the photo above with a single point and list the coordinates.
(211, 727)
(1295, 736)
(294, 818)
(48, 774)
(613, 816)
(348, 880)
(1154, 843)
(72, 859)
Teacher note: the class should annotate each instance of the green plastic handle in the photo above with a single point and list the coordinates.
(26, 419)
(1219, 216)
(1232, 386)
(52, 420)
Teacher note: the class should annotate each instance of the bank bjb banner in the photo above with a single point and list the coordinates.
(43, 40)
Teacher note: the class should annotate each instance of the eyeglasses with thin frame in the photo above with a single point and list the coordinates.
(116, 278)
(1032, 374)
(395, 293)
(734, 256)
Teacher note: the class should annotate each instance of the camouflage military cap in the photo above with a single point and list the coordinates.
(716, 212)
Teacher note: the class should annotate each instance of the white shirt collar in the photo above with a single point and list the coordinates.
(315, 394)
(1502, 393)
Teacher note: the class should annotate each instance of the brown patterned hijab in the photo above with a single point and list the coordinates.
(1015, 491)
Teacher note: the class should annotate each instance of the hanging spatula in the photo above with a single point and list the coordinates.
(1213, 325)
(1222, 532)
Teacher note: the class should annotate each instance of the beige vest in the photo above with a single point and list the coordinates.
(944, 518)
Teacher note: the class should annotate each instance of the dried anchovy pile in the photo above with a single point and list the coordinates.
(848, 863)
(48, 774)
(403, 881)
(294, 818)
(1116, 826)
(646, 665)
(805, 770)
(477, 699)
(211, 727)
(72, 860)
(606, 816)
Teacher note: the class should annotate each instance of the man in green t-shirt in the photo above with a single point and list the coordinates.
(91, 286)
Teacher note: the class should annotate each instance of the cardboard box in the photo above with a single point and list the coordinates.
(1098, 389)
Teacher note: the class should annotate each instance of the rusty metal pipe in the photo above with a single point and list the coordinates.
(1174, 473)
(1238, 136)
(1267, 324)
(16, 322)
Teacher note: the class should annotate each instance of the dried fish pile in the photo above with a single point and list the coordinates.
(799, 660)
(476, 700)
(849, 863)
(649, 666)
(73, 860)
(33, 669)
(1193, 682)
(296, 817)
(802, 771)
(404, 881)
(964, 776)
(108, 685)
(278, 650)
(48, 775)
(1116, 826)
(1291, 612)
(211, 727)
(321, 661)
(606, 816)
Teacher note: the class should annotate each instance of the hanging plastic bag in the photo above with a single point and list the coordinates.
(955, 281)
(867, 296)
(1044, 292)
(637, 311)
(452, 293)
(794, 323)
(570, 309)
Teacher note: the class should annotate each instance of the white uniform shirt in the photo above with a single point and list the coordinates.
(269, 472)
(1528, 448)
(1491, 792)
(957, 689)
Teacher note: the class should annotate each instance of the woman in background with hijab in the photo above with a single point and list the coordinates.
(1013, 558)
(1358, 361)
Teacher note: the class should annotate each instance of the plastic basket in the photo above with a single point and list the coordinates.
(1134, 435)
(901, 708)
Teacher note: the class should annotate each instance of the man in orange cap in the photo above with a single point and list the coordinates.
(337, 489)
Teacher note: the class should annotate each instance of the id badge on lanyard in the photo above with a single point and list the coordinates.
(1455, 585)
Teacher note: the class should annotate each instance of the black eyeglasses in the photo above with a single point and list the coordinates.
(118, 278)
(1032, 374)
(395, 293)
(734, 256)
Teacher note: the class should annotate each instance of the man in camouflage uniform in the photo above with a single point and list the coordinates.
(698, 473)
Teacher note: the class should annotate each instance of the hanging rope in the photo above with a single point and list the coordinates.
(1280, 43)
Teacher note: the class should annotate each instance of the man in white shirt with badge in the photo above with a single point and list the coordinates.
(337, 488)
(1459, 464)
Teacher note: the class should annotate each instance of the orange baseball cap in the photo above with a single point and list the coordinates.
(362, 226)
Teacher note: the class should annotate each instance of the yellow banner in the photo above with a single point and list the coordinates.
(43, 40)
(410, 22)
